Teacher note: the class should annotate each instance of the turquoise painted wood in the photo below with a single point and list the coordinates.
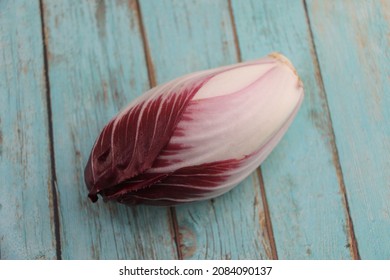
(186, 36)
(353, 43)
(96, 66)
(325, 187)
(300, 176)
(26, 228)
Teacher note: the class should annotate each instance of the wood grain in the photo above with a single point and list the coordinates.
(185, 36)
(325, 187)
(96, 66)
(300, 176)
(26, 227)
(352, 40)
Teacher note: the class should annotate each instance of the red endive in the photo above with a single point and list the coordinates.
(197, 136)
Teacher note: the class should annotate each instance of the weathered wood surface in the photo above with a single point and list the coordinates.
(26, 227)
(355, 68)
(67, 67)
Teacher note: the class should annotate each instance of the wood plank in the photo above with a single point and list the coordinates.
(26, 227)
(185, 36)
(300, 176)
(352, 39)
(96, 66)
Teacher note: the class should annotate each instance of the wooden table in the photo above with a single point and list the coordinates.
(67, 67)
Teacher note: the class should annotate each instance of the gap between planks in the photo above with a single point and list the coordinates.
(152, 83)
(53, 195)
(353, 246)
(267, 217)
(234, 29)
